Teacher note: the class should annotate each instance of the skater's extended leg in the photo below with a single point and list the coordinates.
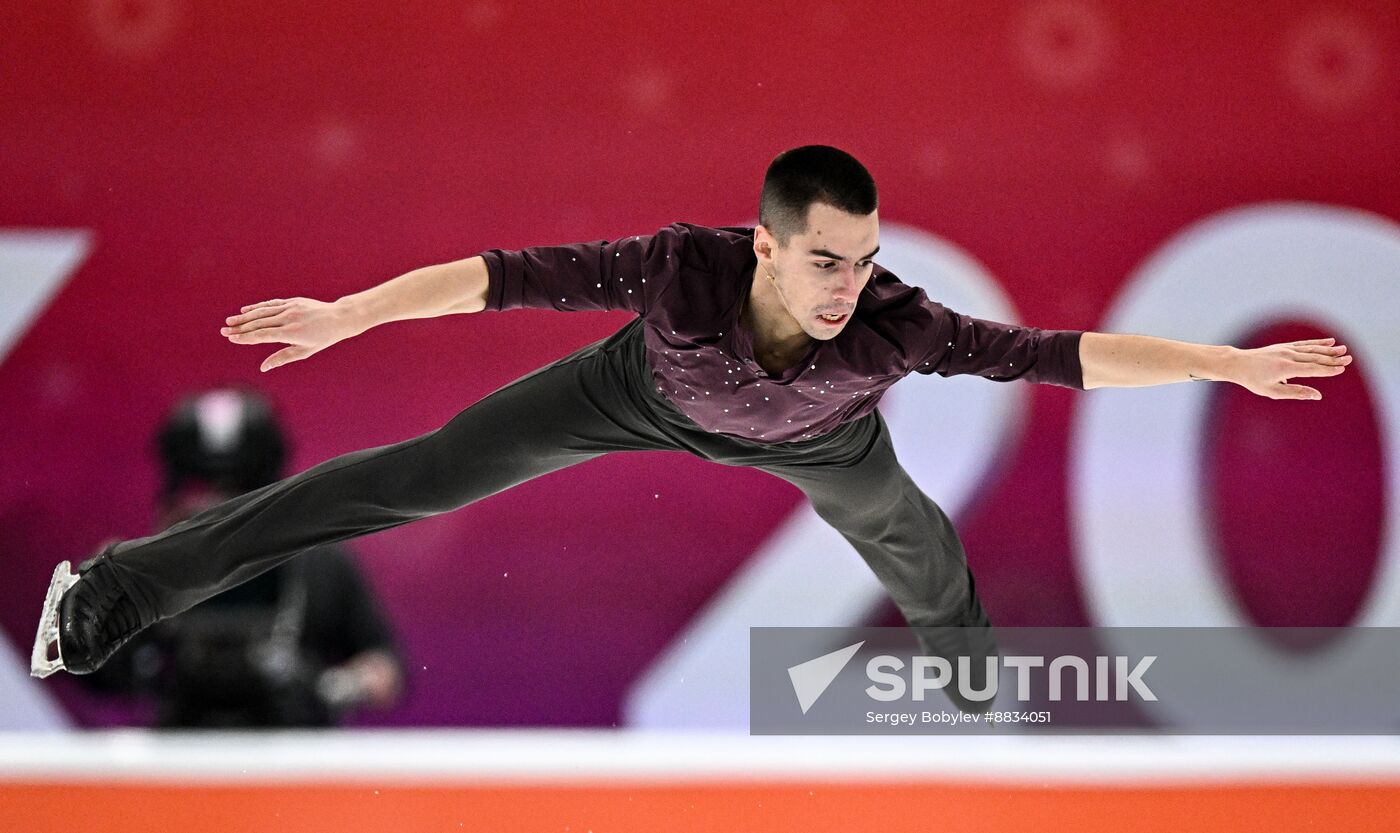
(905, 538)
(565, 413)
(910, 544)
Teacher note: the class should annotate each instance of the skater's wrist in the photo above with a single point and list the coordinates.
(355, 314)
(1209, 362)
(1225, 363)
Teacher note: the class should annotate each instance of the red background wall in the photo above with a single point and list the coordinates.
(227, 153)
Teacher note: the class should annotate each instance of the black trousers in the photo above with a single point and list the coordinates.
(596, 400)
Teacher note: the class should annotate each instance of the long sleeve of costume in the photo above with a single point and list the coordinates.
(628, 273)
(935, 339)
(962, 344)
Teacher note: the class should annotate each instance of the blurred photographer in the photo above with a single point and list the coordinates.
(303, 644)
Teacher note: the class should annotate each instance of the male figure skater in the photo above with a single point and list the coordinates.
(767, 347)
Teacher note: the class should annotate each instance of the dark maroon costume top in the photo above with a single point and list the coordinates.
(689, 283)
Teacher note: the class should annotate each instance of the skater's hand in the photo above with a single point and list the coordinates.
(308, 326)
(1266, 370)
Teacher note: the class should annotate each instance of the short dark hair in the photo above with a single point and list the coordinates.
(812, 173)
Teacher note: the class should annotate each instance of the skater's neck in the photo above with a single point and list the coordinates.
(778, 340)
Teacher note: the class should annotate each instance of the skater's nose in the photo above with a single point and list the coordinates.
(849, 288)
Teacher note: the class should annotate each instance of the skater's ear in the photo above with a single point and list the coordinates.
(764, 246)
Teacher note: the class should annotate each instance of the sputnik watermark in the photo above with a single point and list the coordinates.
(1142, 680)
(888, 685)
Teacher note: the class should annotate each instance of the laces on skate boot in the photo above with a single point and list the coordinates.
(47, 657)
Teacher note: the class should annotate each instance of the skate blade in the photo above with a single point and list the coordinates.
(41, 664)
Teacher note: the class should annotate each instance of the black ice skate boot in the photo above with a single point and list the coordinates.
(86, 618)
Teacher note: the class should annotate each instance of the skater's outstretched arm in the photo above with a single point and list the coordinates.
(1114, 360)
(622, 274)
(949, 343)
(309, 326)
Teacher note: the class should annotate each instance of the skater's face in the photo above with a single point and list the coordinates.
(820, 273)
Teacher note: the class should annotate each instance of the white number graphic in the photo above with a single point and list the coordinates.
(1143, 548)
(33, 265)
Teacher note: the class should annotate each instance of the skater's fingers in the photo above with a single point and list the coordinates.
(1295, 392)
(1321, 358)
(262, 335)
(1321, 349)
(285, 356)
(274, 319)
(254, 314)
(273, 302)
(1314, 341)
(1314, 369)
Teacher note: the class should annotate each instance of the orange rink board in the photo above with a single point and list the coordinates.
(615, 808)
(622, 781)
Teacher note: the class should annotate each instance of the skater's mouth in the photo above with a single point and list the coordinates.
(833, 319)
